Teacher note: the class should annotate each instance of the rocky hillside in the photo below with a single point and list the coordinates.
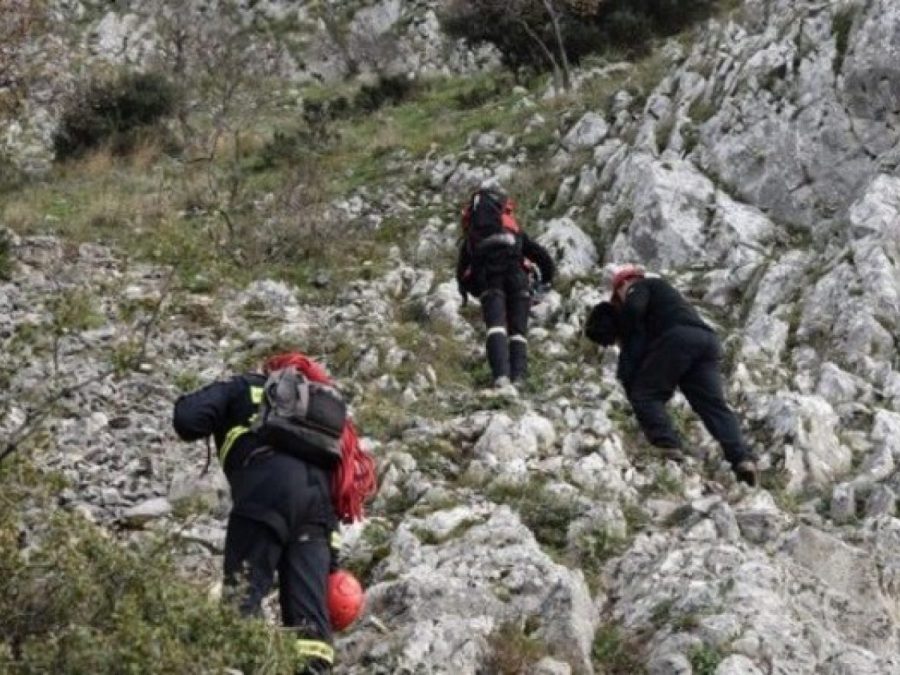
(756, 162)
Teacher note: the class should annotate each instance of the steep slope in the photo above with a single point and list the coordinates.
(759, 170)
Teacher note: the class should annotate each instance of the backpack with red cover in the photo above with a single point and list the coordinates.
(488, 222)
(353, 479)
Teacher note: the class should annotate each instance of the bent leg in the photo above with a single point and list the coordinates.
(651, 389)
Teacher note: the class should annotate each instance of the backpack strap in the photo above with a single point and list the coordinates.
(302, 388)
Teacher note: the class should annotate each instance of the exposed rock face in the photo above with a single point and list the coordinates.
(761, 176)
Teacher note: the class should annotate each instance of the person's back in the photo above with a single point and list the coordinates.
(284, 507)
(653, 306)
(495, 260)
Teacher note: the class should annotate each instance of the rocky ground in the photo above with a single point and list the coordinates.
(539, 534)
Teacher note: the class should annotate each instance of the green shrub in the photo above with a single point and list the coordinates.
(386, 90)
(113, 111)
(525, 35)
(513, 650)
(614, 654)
(74, 600)
(705, 659)
(6, 256)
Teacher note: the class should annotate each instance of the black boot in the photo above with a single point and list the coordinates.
(498, 353)
(518, 358)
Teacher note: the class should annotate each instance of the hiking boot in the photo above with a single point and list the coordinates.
(747, 472)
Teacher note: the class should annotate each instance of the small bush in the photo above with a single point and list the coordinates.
(6, 256)
(386, 90)
(613, 654)
(524, 35)
(513, 651)
(113, 111)
(74, 600)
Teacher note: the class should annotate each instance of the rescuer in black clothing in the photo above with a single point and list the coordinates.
(282, 518)
(495, 267)
(665, 344)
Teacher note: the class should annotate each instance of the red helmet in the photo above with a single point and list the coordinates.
(345, 599)
(626, 273)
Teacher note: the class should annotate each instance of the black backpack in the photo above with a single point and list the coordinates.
(488, 222)
(302, 418)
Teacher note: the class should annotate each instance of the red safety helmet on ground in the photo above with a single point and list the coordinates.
(345, 599)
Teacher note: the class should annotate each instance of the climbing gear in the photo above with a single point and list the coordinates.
(353, 479)
(626, 273)
(345, 599)
(301, 417)
(488, 222)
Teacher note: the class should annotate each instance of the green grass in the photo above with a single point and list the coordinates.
(615, 654)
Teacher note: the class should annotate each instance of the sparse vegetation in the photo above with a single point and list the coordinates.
(6, 256)
(614, 654)
(705, 659)
(74, 600)
(841, 24)
(512, 651)
(115, 111)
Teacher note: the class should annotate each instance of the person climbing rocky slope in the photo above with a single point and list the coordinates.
(541, 535)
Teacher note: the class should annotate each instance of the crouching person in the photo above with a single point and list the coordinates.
(664, 345)
(295, 468)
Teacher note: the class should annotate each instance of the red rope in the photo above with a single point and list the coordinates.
(353, 481)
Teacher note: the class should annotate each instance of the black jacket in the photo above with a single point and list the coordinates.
(468, 265)
(652, 306)
(277, 489)
(215, 410)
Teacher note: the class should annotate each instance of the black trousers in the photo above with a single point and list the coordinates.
(689, 359)
(281, 522)
(505, 302)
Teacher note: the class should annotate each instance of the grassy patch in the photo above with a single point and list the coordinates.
(614, 654)
(6, 257)
(513, 650)
(705, 659)
(74, 311)
(545, 513)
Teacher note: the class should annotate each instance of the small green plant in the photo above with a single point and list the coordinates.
(187, 380)
(74, 311)
(126, 356)
(513, 650)
(613, 654)
(705, 659)
(6, 257)
(545, 513)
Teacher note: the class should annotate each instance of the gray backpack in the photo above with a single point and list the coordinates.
(301, 418)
